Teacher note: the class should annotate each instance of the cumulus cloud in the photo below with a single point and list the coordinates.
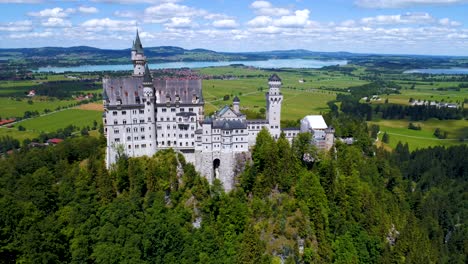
(267, 9)
(408, 18)
(447, 22)
(299, 19)
(20, 1)
(56, 22)
(109, 25)
(53, 12)
(260, 21)
(29, 35)
(136, 1)
(404, 3)
(16, 26)
(225, 23)
(180, 22)
(88, 9)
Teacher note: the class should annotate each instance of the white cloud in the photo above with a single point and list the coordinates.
(127, 14)
(299, 19)
(88, 9)
(265, 8)
(404, 3)
(31, 35)
(56, 22)
(260, 21)
(109, 25)
(408, 18)
(180, 22)
(53, 12)
(20, 1)
(225, 23)
(172, 10)
(135, 1)
(447, 22)
(24, 25)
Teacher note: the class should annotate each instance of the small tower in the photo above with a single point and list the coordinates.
(138, 57)
(149, 116)
(236, 104)
(329, 137)
(274, 100)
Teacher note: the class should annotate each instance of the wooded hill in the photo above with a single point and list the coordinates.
(356, 204)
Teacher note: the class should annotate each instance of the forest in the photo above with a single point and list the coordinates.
(355, 204)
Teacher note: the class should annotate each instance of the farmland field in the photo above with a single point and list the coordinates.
(11, 107)
(398, 131)
(62, 119)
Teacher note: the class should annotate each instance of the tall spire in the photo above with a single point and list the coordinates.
(137, 44)
(147, 79)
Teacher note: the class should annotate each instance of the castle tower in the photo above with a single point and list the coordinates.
(138, 57)
(274, 100)
(236, 104)
(149, 115)
(329, 137)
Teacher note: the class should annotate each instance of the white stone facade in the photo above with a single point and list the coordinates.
(143, 115)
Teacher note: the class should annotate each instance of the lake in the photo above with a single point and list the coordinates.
(279, 63)
(440, 71)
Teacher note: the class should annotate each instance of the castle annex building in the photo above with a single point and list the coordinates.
(143, 115)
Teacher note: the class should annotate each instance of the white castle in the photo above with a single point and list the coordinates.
(143, 115)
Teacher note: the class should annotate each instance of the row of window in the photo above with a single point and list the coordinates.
(169, 143)
(138, 146)
(141, 111)
(164, 110)
(192, 119)
(180, 135)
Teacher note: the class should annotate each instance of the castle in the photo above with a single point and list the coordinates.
(143, 115)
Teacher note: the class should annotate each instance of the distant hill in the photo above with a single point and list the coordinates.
(28, 58)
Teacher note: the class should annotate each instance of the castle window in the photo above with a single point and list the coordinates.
(135, 129)
(115, 122)
(114, 113)
(168, 127)
(129, 138)
(142, 137)
(129, 146)
(180, 119)
(186, 144)
(135, 121)
(162, 118)
(172, 109)
(180, 135)
(142, 129)
(128, 130)
(174, 127)
(117, 139)
(116, 131)
(149, 119)
(135, 138)
(182, 110)
(190, 109)
(173, 119)
(164, 110)
(143, 145)
(168, 119)
(162, 143)
(192, 135)
(193, 143)
(137, 146)
(159, 127)
(142, 121)
(124, 121)
(124, 112)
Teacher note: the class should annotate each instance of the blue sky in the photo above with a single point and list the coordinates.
(433, 27)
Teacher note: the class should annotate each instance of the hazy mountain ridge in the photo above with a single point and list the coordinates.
(85, 55)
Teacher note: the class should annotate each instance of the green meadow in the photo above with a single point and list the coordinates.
(398, 132)
(19, 135)
(61, 119)
(12, 107)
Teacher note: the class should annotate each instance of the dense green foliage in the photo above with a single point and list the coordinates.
(60, 204)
